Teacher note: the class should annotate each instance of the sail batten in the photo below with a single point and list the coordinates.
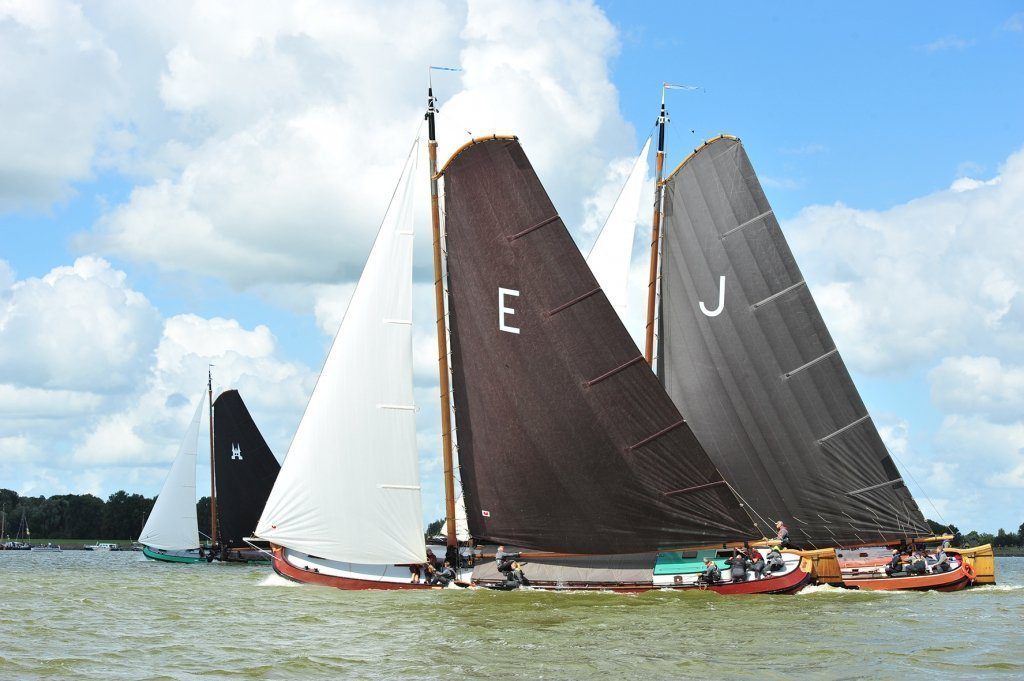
(545, 459)
(349, 486)
(758, 377)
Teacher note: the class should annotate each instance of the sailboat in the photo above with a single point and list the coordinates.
(569, 449)
(171, 533)
(746, 356)
(244, 471)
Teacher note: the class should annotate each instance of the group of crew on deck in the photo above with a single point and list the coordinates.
(434, 572)
(743, 562)
(907, 561)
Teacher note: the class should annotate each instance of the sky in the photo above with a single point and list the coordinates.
(197, 183)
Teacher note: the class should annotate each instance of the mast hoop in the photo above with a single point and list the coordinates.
(609, 374)
(467, 145)
(542, 223)
(577, 299)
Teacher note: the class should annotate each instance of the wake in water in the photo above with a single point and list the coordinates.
(274, 579)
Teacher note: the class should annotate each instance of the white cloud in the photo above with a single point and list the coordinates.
(292, 123)
(86, 329)
(936, 276)
(979, 385)
(949, 42)
(61, 87)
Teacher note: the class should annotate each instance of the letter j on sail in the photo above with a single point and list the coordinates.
(502, 310)
(721, 300)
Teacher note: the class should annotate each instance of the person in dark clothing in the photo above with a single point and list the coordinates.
(918, 564)
(941, 560)
(737, 566)
(756, 564)
(444, 576)
(894, 564)
(505, 561)
(711, 574)
(775, 560)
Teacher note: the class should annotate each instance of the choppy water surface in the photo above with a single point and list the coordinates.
(116, 615)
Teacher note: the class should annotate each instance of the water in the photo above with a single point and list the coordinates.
(116, 615)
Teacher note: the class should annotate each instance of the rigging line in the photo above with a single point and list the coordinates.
(920, 488)
(748, 507)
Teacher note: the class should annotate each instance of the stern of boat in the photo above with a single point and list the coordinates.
(982, 559)
(822, 565)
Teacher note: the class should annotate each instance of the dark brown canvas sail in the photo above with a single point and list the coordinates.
(745, 354)
(566, 440)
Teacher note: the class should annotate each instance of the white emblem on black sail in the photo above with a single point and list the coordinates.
(236, 451)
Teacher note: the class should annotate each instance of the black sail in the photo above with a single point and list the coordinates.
(566, 440)
(758, 378)
(245, 469)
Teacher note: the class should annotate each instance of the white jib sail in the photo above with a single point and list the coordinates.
(349, 488)
(172, 523)
(612, 253)
(461, 526)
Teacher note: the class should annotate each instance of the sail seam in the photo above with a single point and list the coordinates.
(403, 407)
(695, 488)
(845, 428)
(777, 295)
(526, 231)
(655, 436)
(386, 486)
(398, 321)
(828, 354)
(747, 223)
(868, 489)
(573, 302)
(609, 374)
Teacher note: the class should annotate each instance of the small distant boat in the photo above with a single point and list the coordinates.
(47, 547)
(102, 546)
(171, 533)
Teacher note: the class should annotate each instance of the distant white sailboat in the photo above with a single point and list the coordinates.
(171, 533)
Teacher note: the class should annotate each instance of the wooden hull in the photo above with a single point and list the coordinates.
(982, 559)
(822, 565)
(790, 582)
(954, 580)
(306, 576)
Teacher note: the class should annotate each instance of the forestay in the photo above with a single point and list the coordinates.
(349, 488)
(612, 253)
(172, 523)
(746, 356)
(567, 442)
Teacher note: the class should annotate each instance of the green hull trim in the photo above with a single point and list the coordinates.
(169, 558)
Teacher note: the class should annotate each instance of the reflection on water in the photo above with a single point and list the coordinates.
(116, 615)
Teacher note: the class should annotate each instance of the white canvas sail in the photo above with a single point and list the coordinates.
(612, 253)
(172, 523)
(461, 527)
(349, 489)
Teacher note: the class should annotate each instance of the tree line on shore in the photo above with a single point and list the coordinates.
(122, 515)
(82, 516)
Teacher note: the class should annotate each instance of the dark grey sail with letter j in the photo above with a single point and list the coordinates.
(566, 440)
(747, 358)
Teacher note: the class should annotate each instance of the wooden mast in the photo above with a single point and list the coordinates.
(652, 283)
(442, 336)
(213, 468)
